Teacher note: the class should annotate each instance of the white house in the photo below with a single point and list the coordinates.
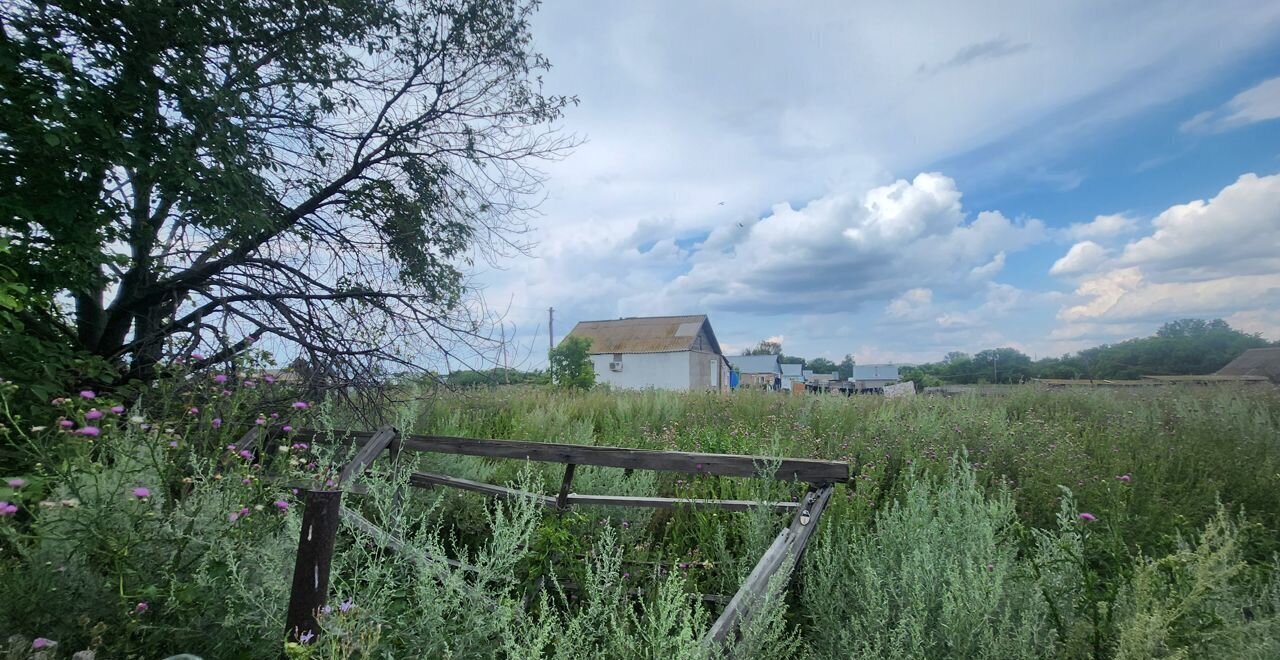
(659, 352)
(757, 370)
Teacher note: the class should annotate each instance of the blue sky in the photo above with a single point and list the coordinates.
(900, 181)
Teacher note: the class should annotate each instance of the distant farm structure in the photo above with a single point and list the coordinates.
(659, 352)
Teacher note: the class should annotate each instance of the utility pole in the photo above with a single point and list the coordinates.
(551, 328)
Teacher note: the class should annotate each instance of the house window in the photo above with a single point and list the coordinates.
(617, 357)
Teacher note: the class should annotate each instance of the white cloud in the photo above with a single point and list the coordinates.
(1258, 103)
(847, 248)
(911, 304)
(1219, 257)
(1083, 256)
(989, 269)
(1103, 226)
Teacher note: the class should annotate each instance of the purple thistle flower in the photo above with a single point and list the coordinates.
(327, 609)
(1126, 477)
(117, 409)
(8, 509)
(275, 415)
(197, 355)
(91, 431)
(220, 379)
(142, 492)
(268, 379)
(42, 643)
(260, 420)
(346, 605)
(226, 393)
(282, 505)
(233, 516)
(194, 411)
(16, 483)
(1088, 517)
(246, 454)
(286, 428)
(249, 383)
(141, 607)
(306, 637)
(93, 413)
(216, 423)
(66, 423)
(87, 394)
(300, 405)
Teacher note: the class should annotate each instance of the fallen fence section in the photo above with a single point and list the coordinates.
(323, 508)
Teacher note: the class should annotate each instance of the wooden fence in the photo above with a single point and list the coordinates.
(323, 509)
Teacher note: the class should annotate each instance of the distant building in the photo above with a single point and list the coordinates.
(811, 377)
(658, 352)
(874, 376)
(1263, 362)
(757, 370)
(792, 373)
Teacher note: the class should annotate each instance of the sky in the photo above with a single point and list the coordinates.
(900, 180)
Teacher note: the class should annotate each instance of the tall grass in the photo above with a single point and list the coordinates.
(960, 535)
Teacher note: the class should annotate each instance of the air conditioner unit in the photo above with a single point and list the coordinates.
(615, 366)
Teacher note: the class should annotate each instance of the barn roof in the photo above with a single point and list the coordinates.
(792, 369)
(1255, 362)
(648, 334)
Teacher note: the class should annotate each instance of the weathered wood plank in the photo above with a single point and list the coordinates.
(366, 455)
(727, 465)
(311, 567)
(789, 469)
(424, 479)
(562, 498)
(789, 545)
(249, 439)
(671, 502)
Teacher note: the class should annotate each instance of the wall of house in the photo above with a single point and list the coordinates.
(660, 371)
(876, 383)
(707, 371)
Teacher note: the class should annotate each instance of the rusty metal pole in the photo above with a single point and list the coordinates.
(320, 515)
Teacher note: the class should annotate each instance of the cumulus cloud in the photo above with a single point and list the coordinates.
(1238, 230)
(1216, 257)
(1083, 256)
(911, 304)
(1258, 103)
(847, 248)
(1103, 226)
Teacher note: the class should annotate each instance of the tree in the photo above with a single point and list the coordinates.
(845, 369)
(571, 364)
(765, 347)
(194, 176)
(821, 366)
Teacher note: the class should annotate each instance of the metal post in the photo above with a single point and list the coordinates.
(320, 515)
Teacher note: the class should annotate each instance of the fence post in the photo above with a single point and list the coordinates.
(320, 515)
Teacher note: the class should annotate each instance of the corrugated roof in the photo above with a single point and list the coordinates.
(875, 372)
(650, 334)
(1255, 362)
(792, 369)
(755, 364)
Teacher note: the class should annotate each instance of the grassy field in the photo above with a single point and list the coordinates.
(1038, 524)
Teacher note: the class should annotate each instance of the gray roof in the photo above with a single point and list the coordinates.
(875, 372)
(652, 334)
(1255, 362)
(789, 369)
(755, 364)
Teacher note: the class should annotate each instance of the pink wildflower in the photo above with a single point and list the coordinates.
(16, 483)
(346, 605)
(1088, 517)
(286, 428)
(66, 423)
(260, 420)
(8, 509)
(194, 411)
(119, 410)
(216, 423)
(220, 379)
(87, 394)
(91, 431)
(268, 379)
(282, 505)
(1126, 477)
(233, 516)
(42, 643)
(300, 405)
(226, 393)
(246, 454)
(142, 492)
(275, 415)
(141, 607)
(197, 355)
(249, 383)
(93, 413)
